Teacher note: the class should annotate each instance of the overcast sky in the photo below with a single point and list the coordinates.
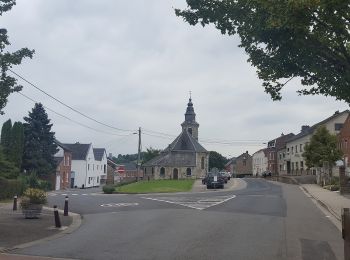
(131, 64)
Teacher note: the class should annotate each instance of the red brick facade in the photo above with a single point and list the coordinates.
(64, 171)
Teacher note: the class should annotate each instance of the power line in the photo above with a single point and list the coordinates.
(81, 124)
(71, 108)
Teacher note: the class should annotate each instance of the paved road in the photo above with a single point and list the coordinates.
(263, 221)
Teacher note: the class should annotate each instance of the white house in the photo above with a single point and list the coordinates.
(260, 162)
(100, 163)
(295, 163)
(86, 170)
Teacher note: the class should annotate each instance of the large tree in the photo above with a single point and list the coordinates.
(9, 84)
(308, 40)
(150, 154)
(7, 168)
(17, 144)
(39, 143)
(6, 138)
(322, 151)
(216, 160)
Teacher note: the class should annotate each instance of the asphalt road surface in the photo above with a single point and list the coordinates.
(264, 220)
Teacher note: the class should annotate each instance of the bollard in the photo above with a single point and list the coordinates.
(345, 217)
(57, 217)
(65, 206)
(14, 203)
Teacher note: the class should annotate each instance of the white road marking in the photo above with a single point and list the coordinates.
(119, 204)
(200, 203)
(84, 194)
(74, 194)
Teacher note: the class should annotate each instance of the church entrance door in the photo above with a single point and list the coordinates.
(175, 174)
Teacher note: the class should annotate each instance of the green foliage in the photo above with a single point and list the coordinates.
(108, 189)
(8, 169)
(35, 196)
(308, 40)
(6, 138)
(322, 149)
(217, 160)
(9, 84)
(125, 158)
(17, 144)
(10, 188)
(39, 143)
(150, 154)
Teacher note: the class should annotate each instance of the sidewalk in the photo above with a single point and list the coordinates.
(18, 232)
(331, 200)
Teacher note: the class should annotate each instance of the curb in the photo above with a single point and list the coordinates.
(324, 205)
(76, 222)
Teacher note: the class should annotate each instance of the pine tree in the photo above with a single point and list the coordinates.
(6, 138)
(7, 168)
(17, 144)
(39, 145)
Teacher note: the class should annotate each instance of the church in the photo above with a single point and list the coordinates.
(184, 157)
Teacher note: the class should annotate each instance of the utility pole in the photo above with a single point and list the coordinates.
(138, 154)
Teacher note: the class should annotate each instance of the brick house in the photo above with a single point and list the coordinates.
(274, 146)
(241, 165)
(63, 159)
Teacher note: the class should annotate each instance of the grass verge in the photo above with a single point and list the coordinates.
(156, 186)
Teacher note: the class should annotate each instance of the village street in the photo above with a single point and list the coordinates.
(258, 220)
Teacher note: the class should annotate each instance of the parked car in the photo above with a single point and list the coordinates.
(224, 176)
(228, 175)
(266, 174)
(215, 180)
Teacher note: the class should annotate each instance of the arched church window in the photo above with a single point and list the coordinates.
(202, 163)
(188, 172)
(190, 130)
(162, 172)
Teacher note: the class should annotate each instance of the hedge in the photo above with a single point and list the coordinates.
(11, 187)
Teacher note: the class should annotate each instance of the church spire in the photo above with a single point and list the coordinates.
(190, 123)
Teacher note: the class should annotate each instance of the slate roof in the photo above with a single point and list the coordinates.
(180, 153)
(63, 146)
(174, 159)
(311, 129)
(79, 151)
(98, 153)
(185, 142)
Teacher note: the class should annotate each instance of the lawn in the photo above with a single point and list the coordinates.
(157, 186)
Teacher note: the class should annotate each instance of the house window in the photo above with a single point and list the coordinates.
(190, 130)
(296, 165)
(296, 149)
(188, 171)
(301, 148)
(89, 180)
(292, 149)
(301, 165)
(202, 163)
(104, 168)
(338, 126)
(162, 172)
(88, 167)
(98, 179)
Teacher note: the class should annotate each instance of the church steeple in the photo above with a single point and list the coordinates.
(190, 125)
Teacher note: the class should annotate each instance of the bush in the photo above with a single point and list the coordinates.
(35, 196)
(10, 188)
(108, 189)
(45, 185)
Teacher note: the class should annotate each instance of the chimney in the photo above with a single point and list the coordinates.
(336, 112)
(304, 128)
